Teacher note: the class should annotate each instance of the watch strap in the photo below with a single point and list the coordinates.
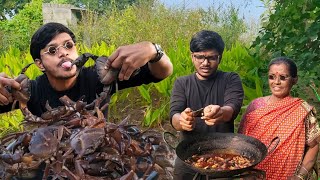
(158, 55)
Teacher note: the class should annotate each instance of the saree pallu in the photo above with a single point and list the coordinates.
(284, 119)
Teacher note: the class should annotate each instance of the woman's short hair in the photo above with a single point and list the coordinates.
(293, 70)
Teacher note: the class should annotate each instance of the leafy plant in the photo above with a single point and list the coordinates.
(18, 30)
(238, 59)
(10, 122)
(313, 87)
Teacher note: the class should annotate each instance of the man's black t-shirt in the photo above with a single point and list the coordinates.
(224, 89)
(87, 85)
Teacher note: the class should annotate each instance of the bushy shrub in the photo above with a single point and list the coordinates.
(152, 21)
(17, 32)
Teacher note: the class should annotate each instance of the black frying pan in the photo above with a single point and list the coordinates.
(240, 144)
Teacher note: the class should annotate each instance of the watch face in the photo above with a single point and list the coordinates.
(158, 48)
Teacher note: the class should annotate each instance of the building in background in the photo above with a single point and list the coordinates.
(61, 13)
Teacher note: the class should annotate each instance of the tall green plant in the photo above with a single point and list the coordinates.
(181, 60)
(12, 62)
(10, 122)
(9, 8)
(238, 59)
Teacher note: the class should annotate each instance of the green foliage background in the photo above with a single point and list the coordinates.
(101, 33)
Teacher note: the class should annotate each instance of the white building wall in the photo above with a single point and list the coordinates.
(61, 13)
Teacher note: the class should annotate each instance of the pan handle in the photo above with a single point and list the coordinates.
(276, 140)
(167, 135)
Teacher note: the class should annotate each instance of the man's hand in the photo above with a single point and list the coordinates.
(131, 57)
(5, 96)
(212, 114)
(186, 120)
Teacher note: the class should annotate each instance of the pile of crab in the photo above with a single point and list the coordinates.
(76, 142)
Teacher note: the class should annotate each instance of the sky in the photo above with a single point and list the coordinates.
(248, 9)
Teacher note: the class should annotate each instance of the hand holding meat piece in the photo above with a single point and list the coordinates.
(212, 114)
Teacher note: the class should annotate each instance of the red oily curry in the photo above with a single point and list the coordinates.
(219, 161)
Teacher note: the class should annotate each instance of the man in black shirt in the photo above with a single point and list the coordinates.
(53, 50)
(219, 93)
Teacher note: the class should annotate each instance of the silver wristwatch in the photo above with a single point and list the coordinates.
(159, 53)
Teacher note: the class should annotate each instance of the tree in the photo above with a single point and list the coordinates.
(100, 6)
(9, 8)
(17, 31)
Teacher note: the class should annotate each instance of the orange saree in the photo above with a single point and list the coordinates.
(284, 119)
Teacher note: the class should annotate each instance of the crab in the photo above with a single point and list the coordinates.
(75, 141)
(106, 73)
(30, 149)
(22, 95)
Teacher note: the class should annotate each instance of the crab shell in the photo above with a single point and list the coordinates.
(106, 73)
(87, 140)
(43, 143)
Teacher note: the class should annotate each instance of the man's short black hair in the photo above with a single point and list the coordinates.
(44, 35)
(206, 40)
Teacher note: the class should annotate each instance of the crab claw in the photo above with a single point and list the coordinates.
(107, 74)
(22, 95)
(81, 60)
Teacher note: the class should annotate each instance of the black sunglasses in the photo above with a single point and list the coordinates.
(52, 50)
(281, 77)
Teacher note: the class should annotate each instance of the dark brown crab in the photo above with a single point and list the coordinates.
(22, 95)
(30, 149)
(41, 143)
(91, 144)
(106, 73)
(72, 114)
(52, 115)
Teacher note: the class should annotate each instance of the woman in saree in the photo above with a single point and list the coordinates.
(291, 119)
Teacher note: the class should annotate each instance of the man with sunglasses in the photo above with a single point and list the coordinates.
(53, 50)
(217, 96)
